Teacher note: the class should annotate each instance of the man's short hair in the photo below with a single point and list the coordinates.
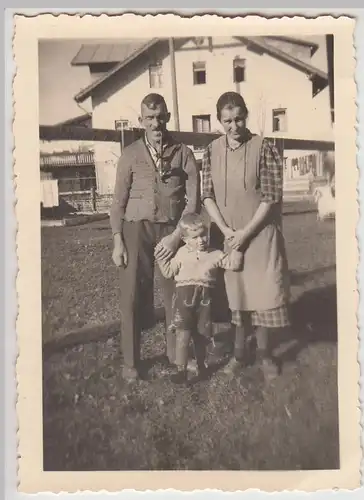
(151, 101)
(191, 222)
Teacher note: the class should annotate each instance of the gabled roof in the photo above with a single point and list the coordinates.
(132, 51)
(131, 54)
(97, 53)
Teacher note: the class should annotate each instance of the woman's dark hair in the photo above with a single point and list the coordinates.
(230, 100)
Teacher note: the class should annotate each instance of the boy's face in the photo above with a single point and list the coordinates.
(196, 239)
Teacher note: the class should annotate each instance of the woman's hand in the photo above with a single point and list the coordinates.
(238, 240)
(228, 233)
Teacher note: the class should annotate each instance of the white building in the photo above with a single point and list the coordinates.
(283, 80)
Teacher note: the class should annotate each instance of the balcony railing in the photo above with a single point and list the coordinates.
(67, 159)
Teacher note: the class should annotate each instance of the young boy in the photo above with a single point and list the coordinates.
(194, 270)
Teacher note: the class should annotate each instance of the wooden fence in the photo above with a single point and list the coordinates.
(94, 201)
(197, 140)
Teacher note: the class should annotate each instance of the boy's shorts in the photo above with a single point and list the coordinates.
(191, 309)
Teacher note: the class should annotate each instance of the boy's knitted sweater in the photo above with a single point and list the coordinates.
(191, 267)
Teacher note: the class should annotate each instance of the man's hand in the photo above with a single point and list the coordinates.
(171, 242)
(161, 252)
(119, 254)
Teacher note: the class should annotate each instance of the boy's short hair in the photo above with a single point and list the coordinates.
(191, 222)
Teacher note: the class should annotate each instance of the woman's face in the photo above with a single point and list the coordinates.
(233, 121)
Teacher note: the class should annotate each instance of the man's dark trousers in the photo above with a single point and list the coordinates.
(137, 287)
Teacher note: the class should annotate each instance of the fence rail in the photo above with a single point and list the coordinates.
(51, 133)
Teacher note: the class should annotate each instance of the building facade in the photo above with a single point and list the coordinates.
(284, 82)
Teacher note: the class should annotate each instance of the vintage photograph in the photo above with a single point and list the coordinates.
(188, 259)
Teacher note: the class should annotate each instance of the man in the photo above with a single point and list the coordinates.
(157, 182)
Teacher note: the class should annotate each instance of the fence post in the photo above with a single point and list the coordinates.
(93, 199)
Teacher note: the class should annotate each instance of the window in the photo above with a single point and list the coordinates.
(201, 123)
(279, 120)
(239, 70)
(199, 73)
(156, 76)
(122, 124)
(75, 179)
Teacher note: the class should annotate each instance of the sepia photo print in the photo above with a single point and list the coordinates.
(189, 227)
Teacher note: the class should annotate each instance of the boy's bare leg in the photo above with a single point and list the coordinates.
(183, 338)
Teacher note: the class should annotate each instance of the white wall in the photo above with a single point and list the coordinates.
(270, 83)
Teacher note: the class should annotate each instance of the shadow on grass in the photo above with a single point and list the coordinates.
(298, 278)
(313, 319)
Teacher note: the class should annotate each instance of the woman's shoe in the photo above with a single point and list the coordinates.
(233, 367)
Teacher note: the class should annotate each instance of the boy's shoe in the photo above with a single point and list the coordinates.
(192, 366)
(130, 374)
(165, 362)
(203, 371)
(234, 366)
(179, 378)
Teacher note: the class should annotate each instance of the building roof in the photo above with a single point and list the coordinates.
(283, 56)
(107, 52)
(296, 41)
(81, 120)
(130, 54)
(131, 50)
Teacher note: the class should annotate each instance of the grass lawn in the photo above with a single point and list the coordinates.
(94, 421)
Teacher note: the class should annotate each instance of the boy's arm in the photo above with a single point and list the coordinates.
(169, 266)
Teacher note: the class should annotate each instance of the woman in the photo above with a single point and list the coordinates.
(242, 193)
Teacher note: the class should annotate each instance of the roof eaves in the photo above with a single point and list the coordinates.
(75, 61)
(303, 66)
(87, 91)
(298, 41)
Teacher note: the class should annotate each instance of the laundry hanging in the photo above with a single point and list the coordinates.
(49, 193)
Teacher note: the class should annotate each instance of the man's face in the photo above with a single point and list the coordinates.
(154, 121)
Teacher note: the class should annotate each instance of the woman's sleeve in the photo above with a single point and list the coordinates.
(207, 187)
(270, 173)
